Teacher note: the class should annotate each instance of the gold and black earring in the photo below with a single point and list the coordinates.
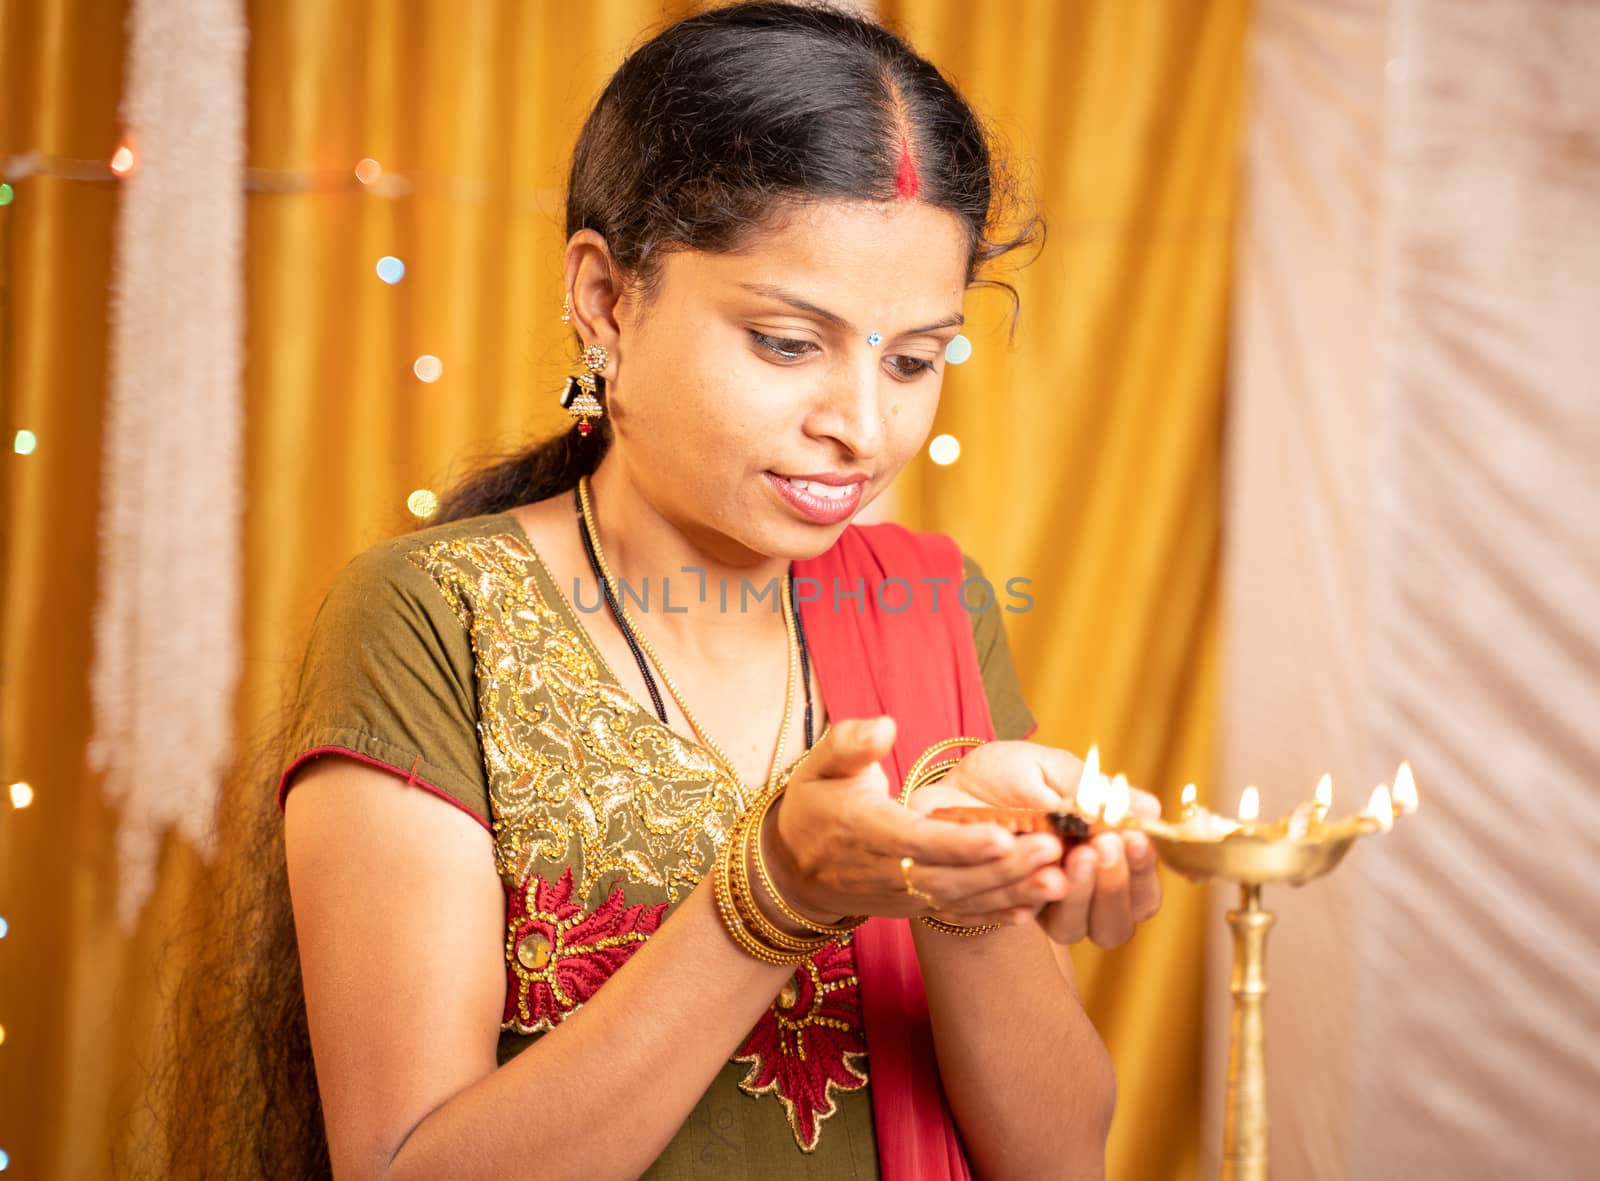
(584, 390)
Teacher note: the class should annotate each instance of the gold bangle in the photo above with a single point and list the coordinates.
(950, 928)
(849, 923)
(924, 772)
(729, 911)
(918, 775)
(751, 928)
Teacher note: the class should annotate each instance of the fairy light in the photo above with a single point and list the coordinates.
(124, 161)
(369, 171)
(391, 270)
(944, 450)
(25, 443)
(428, 368)
(422, 503)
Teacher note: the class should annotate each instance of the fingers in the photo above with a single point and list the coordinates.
(851, 747)
(1029, 876)
(1068, 920)
(1111, 911)
(1144, 884)
(1144, 805)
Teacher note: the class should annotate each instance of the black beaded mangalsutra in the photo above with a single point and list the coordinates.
(638, 654)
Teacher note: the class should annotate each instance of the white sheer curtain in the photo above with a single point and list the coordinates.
(1413, 570)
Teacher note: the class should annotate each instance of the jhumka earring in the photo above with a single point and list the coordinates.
(584, 390)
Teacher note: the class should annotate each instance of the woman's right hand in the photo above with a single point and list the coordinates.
(835, 841)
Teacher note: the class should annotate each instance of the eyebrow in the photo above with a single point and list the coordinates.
(784, 295)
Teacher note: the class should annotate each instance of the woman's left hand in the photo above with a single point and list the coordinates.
(1103, 889)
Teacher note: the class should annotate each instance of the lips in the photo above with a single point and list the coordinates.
(819, 500)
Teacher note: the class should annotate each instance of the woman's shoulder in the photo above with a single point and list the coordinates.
(409, 563)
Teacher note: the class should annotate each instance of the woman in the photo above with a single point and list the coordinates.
(577, 873)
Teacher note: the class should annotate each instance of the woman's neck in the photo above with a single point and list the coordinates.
(685, 578)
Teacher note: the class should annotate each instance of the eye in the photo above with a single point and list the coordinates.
(910, 367)
(779, 346)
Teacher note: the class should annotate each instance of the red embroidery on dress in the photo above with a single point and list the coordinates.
(906, 181)
(557, 956)
(809, 1042)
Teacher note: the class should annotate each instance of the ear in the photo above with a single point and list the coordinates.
(595, 289)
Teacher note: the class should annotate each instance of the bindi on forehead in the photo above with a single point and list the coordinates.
(906, 181)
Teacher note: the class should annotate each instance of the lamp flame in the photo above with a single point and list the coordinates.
(1118, 800)
(1091, 793)
(1405, 790)
(1249, 805)
(1380, 808)
(1324, 795)
(1189, 795)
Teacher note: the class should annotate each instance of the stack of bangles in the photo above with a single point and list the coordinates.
(929, 768)
(736, 901)
(758, 935)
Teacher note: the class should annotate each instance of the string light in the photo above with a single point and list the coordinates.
(25, 443)
(944, 450)
(391, 270)
(369, 171)
(428, 368)
(21, 795)
(422, 503)
(124, 161)
(958, 351)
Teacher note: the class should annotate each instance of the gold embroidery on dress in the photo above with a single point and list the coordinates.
(578, 774)
(589, 792)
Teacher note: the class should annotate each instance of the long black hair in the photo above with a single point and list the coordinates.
(705, 131)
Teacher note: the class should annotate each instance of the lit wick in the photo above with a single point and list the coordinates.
(1380, 809)
(1322, 800)
(1119, 801)
(1188, 807)
(1249, 805)
(1091, 793)
(1405, 790)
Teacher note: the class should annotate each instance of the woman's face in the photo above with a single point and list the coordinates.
(815, 353)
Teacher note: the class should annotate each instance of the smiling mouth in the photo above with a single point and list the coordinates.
(824, 491)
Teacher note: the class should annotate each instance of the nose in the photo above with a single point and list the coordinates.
(852, 411)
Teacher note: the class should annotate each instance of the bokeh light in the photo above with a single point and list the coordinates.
(944, 449)
(21, 795)
(422, 503)
(369, 171)
(428, 368)
(6, 194)
(958, 351)
(390, 269)
(25, 443)
(124, 161)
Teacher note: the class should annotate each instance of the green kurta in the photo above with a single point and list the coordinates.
(451, 657)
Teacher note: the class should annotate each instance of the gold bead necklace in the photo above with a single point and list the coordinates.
(630, 627)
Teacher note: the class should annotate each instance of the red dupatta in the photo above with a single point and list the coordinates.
(889, 635)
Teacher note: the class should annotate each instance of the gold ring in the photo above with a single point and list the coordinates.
(906, 866)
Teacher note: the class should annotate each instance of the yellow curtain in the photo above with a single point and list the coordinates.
(1091, 452)
(1090, 458)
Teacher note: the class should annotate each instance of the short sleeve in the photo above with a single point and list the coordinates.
(1010, 713)
(389, 680)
